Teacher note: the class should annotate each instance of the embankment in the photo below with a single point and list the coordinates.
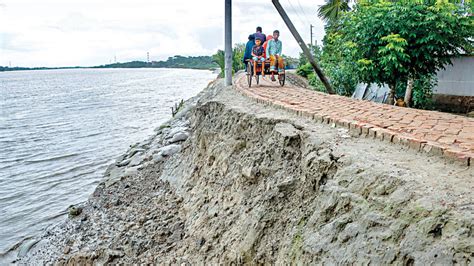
(232, 181)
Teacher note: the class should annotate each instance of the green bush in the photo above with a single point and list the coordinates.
(342, 77)
(423, 92)
(237, 56)
(314, 81)
(305, 70)
(334, 59)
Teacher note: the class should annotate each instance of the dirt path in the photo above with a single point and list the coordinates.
(429, 131)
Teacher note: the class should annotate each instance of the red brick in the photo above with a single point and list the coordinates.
(365, 130)
(342, 123)
(433, 148)
(432, 137)
(400, 139)
(415, 143)
(355, 129)
(447, 140)
(458, 156)
(318, 118)
(468, 145)
(373, 132)
(429, 131)
(466, 135)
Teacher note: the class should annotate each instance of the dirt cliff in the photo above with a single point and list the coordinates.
(232, 181)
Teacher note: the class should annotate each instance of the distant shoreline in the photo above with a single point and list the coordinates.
(58, 68)
(177, 61)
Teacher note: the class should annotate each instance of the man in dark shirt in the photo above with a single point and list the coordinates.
(260, 35)
(248, 50)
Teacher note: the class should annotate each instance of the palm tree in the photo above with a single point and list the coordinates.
(332, 10)
(237, 56)
(219, 59)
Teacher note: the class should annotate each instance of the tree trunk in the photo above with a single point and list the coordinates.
(391, 94)
(409, 92)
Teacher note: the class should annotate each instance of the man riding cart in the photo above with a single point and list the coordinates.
(266, 61)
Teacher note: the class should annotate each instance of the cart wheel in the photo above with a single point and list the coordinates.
(249, 73)
(281, 79)
(257, 78)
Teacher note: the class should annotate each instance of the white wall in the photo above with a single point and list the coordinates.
(457, 79)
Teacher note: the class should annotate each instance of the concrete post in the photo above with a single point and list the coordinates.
(228, 42)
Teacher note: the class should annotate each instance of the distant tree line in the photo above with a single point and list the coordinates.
(177, 61)
(5, 68)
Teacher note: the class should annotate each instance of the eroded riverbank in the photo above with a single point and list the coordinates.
(229, 180)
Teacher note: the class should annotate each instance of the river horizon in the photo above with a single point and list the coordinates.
(60, 129)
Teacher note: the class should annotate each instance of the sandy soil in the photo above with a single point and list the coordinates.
(232, 181)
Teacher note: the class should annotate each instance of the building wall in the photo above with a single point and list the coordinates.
(457, 79)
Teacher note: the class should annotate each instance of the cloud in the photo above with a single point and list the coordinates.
(75, 21)
(91, 32)
(209, 38)
(14, 42)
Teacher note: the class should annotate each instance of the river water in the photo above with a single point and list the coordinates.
(60, 129)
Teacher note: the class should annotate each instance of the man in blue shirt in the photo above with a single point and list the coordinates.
(248, 50)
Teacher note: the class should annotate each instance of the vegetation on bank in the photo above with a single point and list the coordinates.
(402, 44)
(177, 61)
(5, 68)
(237, 56)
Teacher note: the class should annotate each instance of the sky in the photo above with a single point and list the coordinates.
(55, 33)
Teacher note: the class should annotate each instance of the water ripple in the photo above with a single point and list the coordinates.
(53, 158)
(59, 129)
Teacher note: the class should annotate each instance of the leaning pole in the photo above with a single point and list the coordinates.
(228, 43)
(303, 46)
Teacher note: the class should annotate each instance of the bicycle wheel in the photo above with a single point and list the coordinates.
(249, 73)
(281, 79)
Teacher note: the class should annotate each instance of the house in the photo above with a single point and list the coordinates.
(455, 89)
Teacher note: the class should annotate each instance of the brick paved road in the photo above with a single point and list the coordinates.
(426, 131)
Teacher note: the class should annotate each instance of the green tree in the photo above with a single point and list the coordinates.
(339, 63)
(393, 42)
(219, 59)
(332, 10)
(389, 65)
(315, 50)
(237, 58)
(336, 61)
